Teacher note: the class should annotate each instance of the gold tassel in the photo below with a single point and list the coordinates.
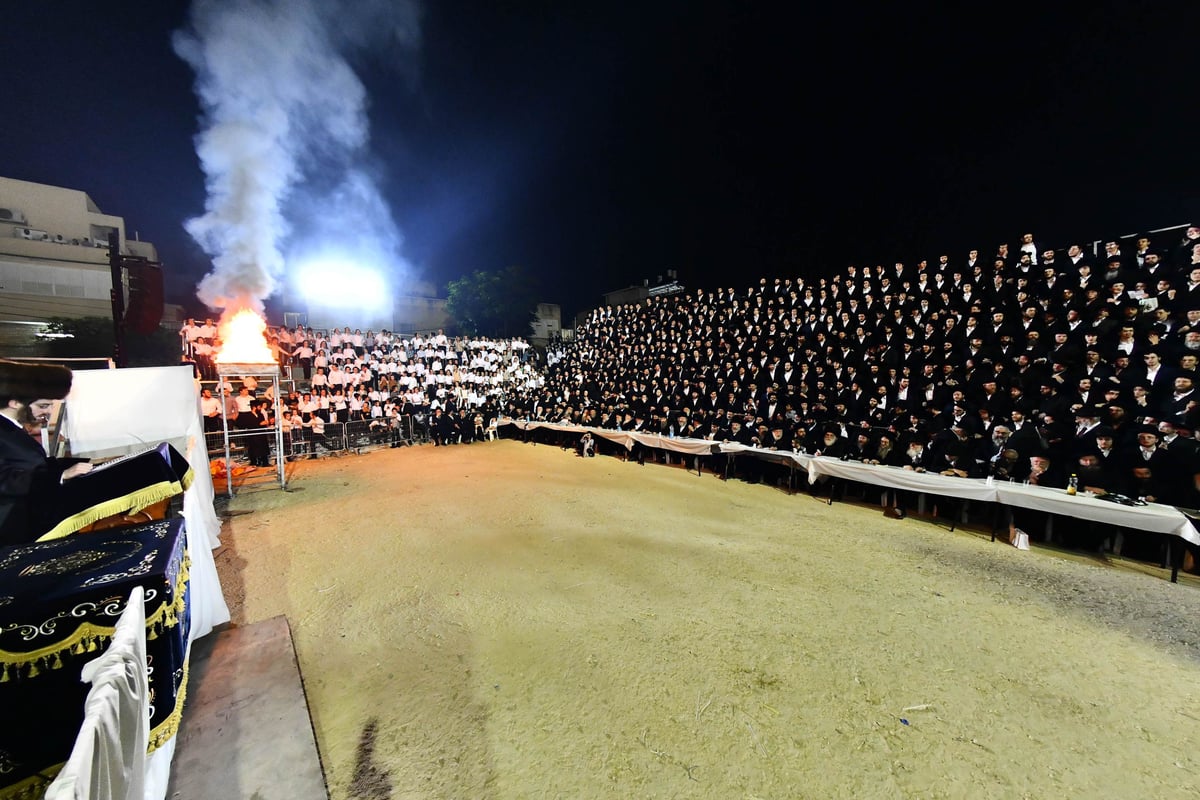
(33, 670)
(130, 504)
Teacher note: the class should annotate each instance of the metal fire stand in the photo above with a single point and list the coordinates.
(258, 372)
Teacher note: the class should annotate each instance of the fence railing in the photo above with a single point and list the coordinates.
(336, 438)
(1098, 245)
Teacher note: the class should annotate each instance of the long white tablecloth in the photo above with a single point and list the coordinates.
(1151, 517)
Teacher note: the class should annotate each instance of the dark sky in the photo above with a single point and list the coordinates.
(597, 144)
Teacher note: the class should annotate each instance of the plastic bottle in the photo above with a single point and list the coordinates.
(1073, 485)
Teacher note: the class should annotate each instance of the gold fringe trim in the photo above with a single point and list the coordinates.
(89, 637)
(127, 504)
(34, 787)
(170, 726)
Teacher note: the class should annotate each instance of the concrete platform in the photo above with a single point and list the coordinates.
(246, 732)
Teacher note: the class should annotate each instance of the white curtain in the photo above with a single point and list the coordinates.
(108, 760)
(118, 411)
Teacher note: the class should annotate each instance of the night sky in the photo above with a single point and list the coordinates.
(597, 145)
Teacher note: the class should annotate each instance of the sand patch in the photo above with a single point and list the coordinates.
(509, 621)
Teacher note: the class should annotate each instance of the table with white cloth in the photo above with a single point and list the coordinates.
(1152, 517)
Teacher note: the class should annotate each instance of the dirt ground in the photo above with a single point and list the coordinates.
(505, 620)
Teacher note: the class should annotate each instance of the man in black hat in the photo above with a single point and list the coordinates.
(1153, 268)
(1189, 293)
(956, 458)
(1145, 451)
(832, 445)
(1094, 366)
(29, 481)
(1182, 462)
(1113, 255)
(1087, 422)
(1180, 404)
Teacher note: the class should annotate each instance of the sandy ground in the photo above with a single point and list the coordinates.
(511, 621)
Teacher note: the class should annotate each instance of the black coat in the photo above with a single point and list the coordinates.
(29, 485)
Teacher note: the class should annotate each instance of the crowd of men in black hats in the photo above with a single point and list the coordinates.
(1030, 364)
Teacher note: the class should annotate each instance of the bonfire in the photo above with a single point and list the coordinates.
(243, 339)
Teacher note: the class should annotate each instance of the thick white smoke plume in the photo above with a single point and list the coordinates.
(280, 105)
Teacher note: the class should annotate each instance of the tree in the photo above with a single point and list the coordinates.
(489, 303)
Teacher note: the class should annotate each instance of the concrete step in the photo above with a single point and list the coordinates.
(246, 730)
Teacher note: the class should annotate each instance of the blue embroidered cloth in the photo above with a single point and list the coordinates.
(59, 605)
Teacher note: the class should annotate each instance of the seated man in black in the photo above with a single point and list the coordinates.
(832, 446)
(1044, 472)
(915, 457)
(29, 481)
(741, 433)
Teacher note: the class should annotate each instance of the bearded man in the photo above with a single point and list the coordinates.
(29, 481)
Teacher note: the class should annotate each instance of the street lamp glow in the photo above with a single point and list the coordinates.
(341, 284)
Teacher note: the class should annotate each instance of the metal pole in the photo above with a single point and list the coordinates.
(117, 297)
(280, 458)
(1155, 230)
(225, 430)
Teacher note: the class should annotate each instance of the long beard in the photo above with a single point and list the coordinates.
(25, 418)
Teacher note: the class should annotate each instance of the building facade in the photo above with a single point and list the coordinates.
(546, 325)
(54, 253)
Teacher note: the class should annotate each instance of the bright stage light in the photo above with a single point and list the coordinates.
(336, 284)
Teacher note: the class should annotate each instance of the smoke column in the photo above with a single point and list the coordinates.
(279, 103)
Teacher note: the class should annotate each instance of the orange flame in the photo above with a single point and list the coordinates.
(243, 339)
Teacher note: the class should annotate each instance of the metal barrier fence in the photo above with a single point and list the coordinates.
(337, 438)
(396, 431)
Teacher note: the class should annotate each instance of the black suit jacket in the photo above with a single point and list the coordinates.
(1159, 463)
(835, 450)
(29, 485)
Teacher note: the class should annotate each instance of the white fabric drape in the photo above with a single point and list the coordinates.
(108, 761)
(112, 412)
(117, 411)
